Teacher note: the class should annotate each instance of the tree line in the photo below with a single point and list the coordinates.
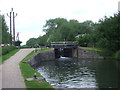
(60, 29)
(104, 34)
(4, 33)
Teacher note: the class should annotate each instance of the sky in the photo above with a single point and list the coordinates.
(32, 14)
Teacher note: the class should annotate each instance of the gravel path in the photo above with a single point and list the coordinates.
(10, 75)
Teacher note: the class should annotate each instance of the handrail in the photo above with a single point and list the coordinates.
(67, 42)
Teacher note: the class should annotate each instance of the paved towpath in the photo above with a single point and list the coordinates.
(10, 75)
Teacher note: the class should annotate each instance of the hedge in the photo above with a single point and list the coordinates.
(7, 49)
(117, 55)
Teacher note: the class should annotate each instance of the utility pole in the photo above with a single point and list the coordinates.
(12, 29)
(119, 6)
(0, 28)
(17, 37)
(14, 15)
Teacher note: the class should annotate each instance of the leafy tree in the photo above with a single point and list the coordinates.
(42, 40)
(4, 28)
(65, 30)
(31, 42)
(108, 32)
(84, 40)
(53, 24)
(59, 29)
(17, 43)
(86, 33)
(93, 36)
(70, 30)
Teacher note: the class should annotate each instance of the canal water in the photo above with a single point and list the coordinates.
(80, 73)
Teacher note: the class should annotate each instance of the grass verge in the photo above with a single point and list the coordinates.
(91, 48)
(28, 72)
(8, 55)
(117, 55)
(105, 53)
(102, 52)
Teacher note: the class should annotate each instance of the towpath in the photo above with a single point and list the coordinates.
(10, 75)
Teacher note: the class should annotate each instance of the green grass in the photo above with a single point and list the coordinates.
(8, 55)
(36, 84)
(7, 49)
(91, 48)
(28, 72)
(43, 50)
(117, 55)
(102, 52)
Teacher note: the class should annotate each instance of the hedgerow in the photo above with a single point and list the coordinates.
(7, 49)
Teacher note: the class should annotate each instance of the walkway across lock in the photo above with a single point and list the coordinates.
(66, 44)
(64, 49)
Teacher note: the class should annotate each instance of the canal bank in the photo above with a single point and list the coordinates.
(39, 57)
(28, 72)
(74, 53)
(91, 53)
(87, 72)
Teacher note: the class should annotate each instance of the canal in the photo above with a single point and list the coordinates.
(80, 73)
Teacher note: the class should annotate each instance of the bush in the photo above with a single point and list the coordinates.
(7, 49)
(24, 46)
(106, 53)
(117, 55)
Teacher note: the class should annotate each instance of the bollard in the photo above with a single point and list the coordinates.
(35, 76)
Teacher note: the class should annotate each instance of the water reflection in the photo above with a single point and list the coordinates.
(80, 73)
(107, 74)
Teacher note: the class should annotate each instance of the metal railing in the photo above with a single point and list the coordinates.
(67, 43)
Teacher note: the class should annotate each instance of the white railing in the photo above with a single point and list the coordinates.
(67, 43)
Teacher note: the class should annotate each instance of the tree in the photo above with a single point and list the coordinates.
(84, 40)
(42, 40)
(53, 24)
(70, 30)
(86, 36)
(17, 43)
(59, 29)
(108, 33)
(4, 28)
(93, 36)
(31, 42)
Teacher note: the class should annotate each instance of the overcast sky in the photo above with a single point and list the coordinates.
(32, 14)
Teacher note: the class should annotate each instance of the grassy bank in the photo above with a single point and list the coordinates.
(105, 53)
(117, 55)
(7, 49)
(8, 55)
(91, 48)
(28, 72)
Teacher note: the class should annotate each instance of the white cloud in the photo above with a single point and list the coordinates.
(32, 14)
